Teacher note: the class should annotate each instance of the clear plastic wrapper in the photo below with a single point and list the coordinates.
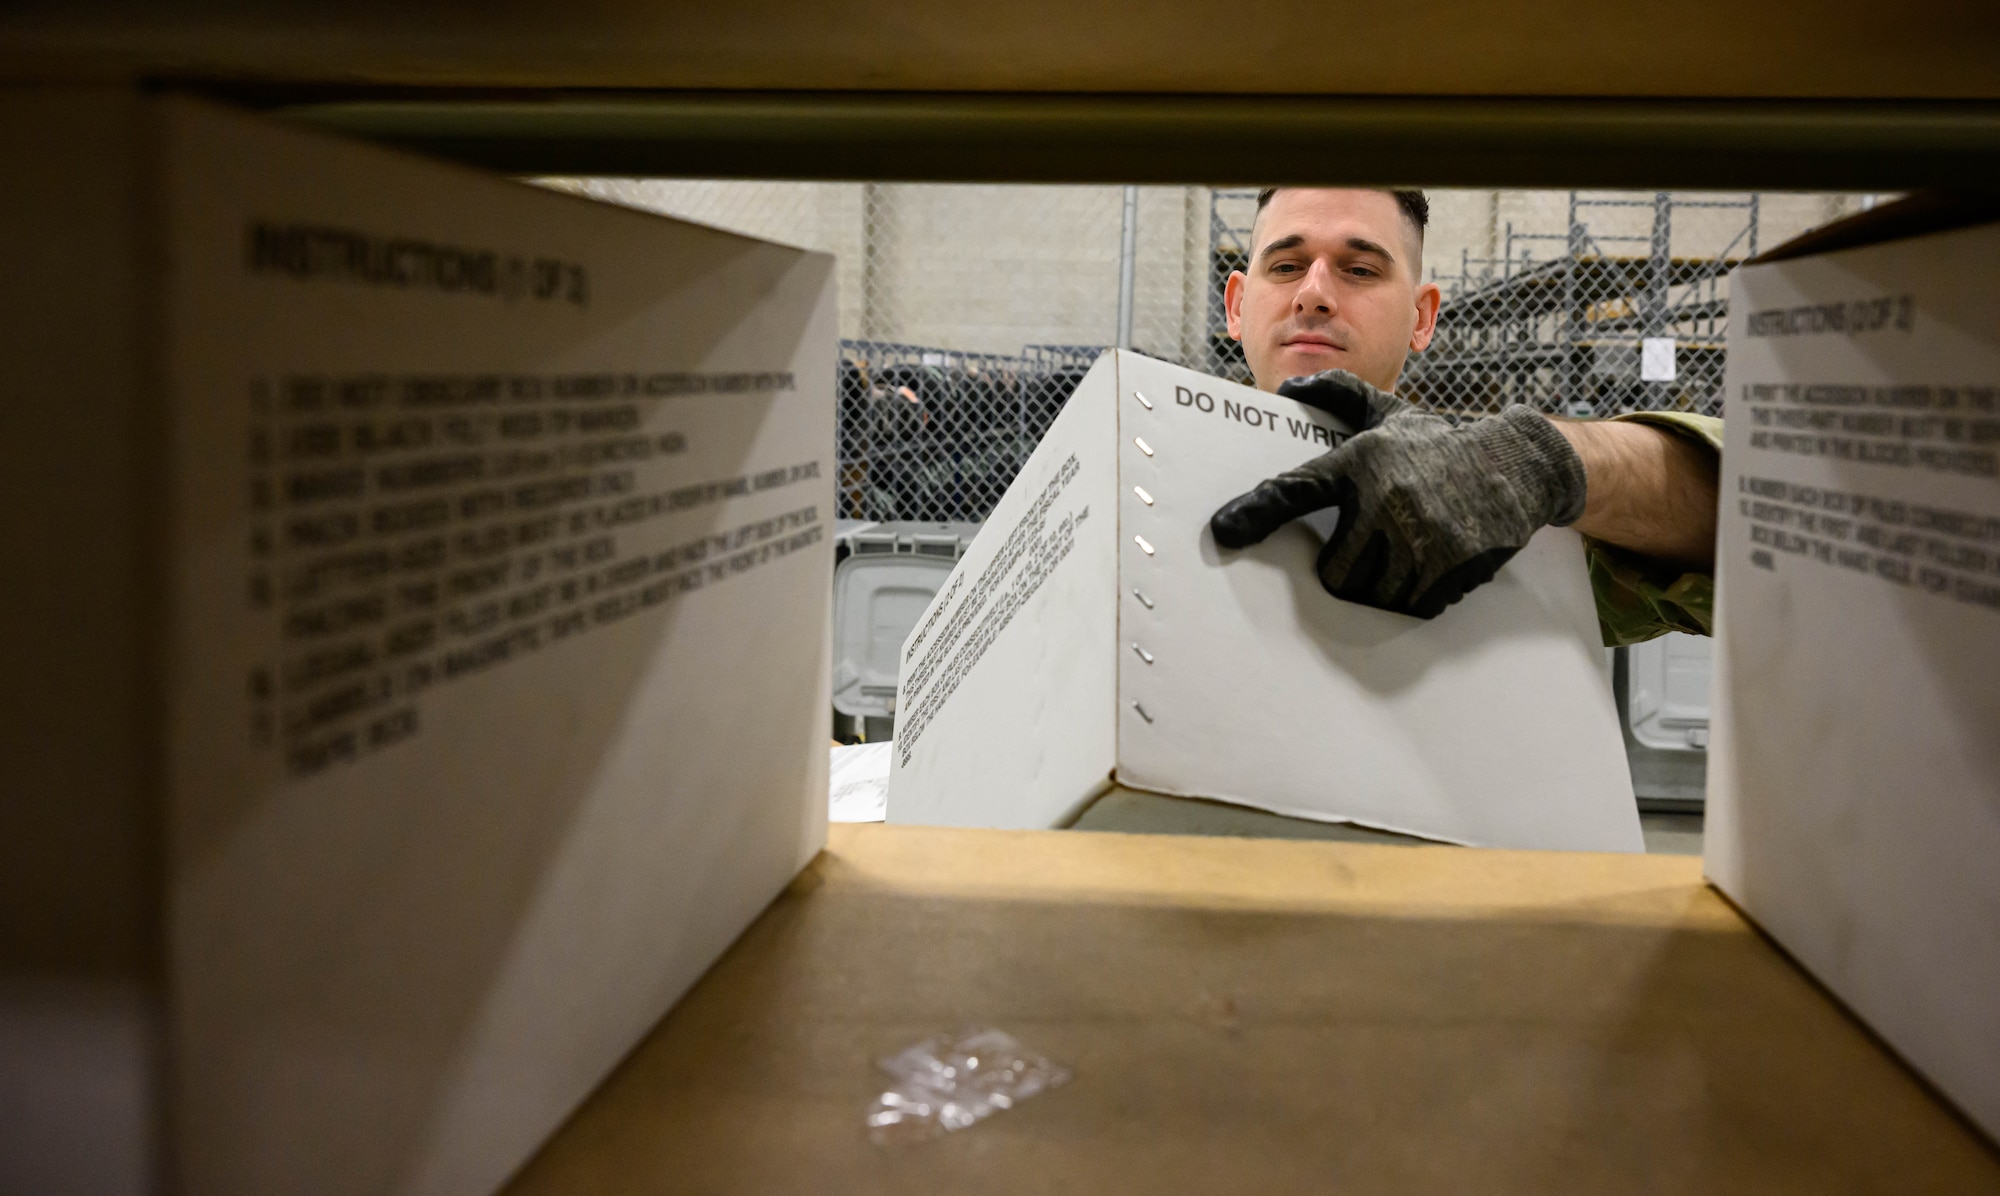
(948, 1082)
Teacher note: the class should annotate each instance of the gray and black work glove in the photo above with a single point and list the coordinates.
(1428, 511)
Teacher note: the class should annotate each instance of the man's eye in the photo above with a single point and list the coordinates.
(1284, 268)
(1362, 271)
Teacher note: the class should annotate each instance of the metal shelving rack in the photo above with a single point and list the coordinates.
(1566, 332)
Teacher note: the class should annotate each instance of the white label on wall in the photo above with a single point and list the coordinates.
(1656, 359)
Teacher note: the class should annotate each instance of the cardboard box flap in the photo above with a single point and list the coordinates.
(1914, 215)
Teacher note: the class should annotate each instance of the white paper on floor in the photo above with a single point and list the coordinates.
(858, 782)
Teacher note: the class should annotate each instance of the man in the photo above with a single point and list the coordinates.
(1330, 306)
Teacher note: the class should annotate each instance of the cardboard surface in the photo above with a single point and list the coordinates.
(1263, 1016)
(1854, 783)
(483, 655)
(1712, 48)
(1238, 677)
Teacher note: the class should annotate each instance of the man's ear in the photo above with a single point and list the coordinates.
(1232, 303)
(1428, 299)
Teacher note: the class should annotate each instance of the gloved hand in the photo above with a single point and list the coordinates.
(1344, 397)
(1428, 511)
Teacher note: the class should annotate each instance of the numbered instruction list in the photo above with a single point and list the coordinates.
(408, 532)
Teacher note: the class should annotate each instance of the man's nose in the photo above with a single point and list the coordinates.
(1316, 290)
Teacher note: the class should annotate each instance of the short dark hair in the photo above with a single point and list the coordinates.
(1414, 204)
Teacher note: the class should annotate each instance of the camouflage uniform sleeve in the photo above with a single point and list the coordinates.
(1638, 599)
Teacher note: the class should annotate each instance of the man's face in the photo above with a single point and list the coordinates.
(1333, 283)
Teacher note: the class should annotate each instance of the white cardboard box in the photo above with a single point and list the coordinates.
(417, 657)
(1094, 633)
(1854, 774)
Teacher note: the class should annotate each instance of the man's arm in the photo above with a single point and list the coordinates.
(1648, 491)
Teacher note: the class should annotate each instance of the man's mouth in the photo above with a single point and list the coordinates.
(1307, 340)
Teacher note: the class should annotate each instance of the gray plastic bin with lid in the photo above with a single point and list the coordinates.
(885, 576)
(1664, 692)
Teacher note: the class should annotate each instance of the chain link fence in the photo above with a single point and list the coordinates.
(969, 312)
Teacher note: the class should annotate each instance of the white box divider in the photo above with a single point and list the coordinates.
(1854, 770)
(1095, 633)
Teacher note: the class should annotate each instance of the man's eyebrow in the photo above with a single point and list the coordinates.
(1364, 245)
(1357, 244)
(1280, 245)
